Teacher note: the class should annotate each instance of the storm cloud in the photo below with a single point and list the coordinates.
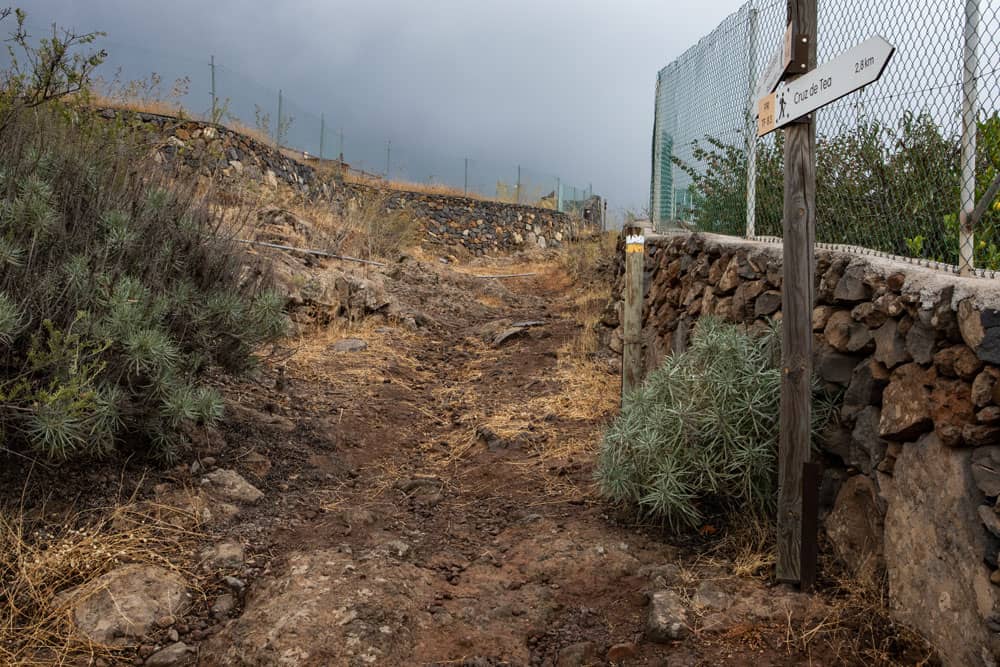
(560, 87)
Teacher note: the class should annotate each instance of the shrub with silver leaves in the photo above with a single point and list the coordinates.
(701, 434)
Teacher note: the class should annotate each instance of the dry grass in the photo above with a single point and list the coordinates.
(37, 563)
(136, 105)
(351, 176)
(860, 628)
(367, 228)
(581, 258)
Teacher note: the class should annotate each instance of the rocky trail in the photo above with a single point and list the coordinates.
(416, 489)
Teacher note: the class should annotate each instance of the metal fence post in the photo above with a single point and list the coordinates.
(322, 134)
(215, 117)
(970, 112)
(518, 195)
(749, 129)
(635, 258)
(277, 129)
(466, 176)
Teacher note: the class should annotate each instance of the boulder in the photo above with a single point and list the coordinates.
(767, 303)
(920, 340)
(951, 410)
(984, 387)
(867, 314)
(988, 515)
(349, 345)
(730, 277)
(744, 298)
(957, 361)
(855, 525)
(844, 334)
(174, 655)
(868, 380)
(989, 415)
(313, 608)
(867, 448)
(667, 620)
(981, 435)
(851, 287)
(980, 330)
(230, 485)
(580, 654)
(986, 470)
(905, 404)
(124, 604)
(225, 555)
(821, 316)
(890, 346)
(833, 366)
(934, 547)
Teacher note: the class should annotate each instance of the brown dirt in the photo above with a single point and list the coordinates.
(479, 460)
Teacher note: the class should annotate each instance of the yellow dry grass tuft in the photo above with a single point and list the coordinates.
(38, 563)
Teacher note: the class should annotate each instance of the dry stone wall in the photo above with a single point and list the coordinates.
(216, 151)
(481, 227)
(913, 457)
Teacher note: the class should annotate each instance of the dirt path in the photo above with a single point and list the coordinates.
(430, 501)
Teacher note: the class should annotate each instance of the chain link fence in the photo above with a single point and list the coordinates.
(897, 162)
(207, 88)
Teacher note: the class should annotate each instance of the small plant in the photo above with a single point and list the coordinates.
(701, 434)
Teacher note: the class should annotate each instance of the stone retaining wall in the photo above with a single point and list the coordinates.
(216, 151)
(482, 227)
(913, 457)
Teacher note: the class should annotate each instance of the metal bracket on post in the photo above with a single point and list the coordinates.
(796, 52)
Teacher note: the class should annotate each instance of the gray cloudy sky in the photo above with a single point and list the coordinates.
(561, 87)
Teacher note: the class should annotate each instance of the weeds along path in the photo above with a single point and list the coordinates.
(430, 500)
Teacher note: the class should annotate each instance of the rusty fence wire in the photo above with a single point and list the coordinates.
(901, 164)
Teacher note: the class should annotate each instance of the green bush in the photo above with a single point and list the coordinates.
(701, 434)
(118, 289)
(893, 188)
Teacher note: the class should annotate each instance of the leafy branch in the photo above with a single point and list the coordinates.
(53, 69)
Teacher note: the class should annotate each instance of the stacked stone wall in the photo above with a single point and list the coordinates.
(480, 226)
(913, 456)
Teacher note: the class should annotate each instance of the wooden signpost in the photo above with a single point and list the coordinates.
(806, 89)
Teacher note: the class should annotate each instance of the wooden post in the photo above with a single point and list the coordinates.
(635, 260)
(799, 227)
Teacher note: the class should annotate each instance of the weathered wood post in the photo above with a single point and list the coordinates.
(635, 259)
(799, 229)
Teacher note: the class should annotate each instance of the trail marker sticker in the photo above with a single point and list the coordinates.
(853, 69)
(635, 243)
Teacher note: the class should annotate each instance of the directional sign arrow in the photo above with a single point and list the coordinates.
(853, 69)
